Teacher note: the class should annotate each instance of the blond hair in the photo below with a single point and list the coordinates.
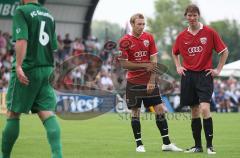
(136, 16)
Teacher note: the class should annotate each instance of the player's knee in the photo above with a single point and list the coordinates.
(206, 112)
(135, 112)
(205, 106)
(195, 115)
(43, 115)
(159, 109)
(195, 111)
(12, 115)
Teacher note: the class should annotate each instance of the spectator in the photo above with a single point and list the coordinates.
(67, 45)
(78, 46)
(10, 45)
(92, 45)
(68, 81)
(77, 76)
(3, 44)
(60, 52)
(105, 81)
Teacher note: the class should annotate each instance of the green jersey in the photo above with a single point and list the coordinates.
(33, 22)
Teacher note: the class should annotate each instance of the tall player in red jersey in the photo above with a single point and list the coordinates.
(139, 57)
(195, 44)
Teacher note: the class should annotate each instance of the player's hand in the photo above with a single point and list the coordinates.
(21, 76)
(213, 72)
(150, 87)
(180, 70)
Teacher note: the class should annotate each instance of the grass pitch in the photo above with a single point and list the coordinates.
(110, 136)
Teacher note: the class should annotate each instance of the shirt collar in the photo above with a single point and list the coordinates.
(131, 34)
(33, 3)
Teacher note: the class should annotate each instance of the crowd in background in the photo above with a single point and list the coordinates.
(6, 56)
(99, 78)
(110, 76)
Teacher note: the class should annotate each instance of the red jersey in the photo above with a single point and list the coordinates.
(140, 51)
(196, 50)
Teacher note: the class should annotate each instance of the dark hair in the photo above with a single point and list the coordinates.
(192, 8)
(136, 16)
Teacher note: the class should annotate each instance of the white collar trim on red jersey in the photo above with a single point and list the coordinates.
(201, 27)
(131, 34)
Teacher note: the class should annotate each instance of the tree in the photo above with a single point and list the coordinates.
(167, 23)
(105, 30)
(230, 33)
(169, 20)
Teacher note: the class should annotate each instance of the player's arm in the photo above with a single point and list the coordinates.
(153, 60)
(222, 50)
(20, 35)
(55, 45)
(21, 47)
(222, 61)
(151, 83)
(179, 67)
(135, 66)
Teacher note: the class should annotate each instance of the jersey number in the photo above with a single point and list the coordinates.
(43, 36)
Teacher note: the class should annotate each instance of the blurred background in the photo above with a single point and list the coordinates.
(83, 26)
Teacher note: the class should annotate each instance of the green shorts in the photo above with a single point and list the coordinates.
(37, 96)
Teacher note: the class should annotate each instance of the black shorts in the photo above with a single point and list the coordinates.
(135, 94)
(196, 88)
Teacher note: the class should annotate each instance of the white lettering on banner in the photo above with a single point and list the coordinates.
(140, 54)
(8, 9)
(83, 105)
(193, 50)
(13, 9)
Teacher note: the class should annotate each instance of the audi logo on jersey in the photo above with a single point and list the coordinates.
(193, 50)
(140, 54)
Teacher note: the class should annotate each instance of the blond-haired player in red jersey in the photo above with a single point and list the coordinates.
(196, 44)
(139, 56)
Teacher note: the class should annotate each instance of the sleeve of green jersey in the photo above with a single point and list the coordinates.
(20, 29)
(55, 43)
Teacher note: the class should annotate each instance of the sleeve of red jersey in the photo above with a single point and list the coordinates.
(123, 54)
(175, 48)
(152, 46)
(219, 45)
